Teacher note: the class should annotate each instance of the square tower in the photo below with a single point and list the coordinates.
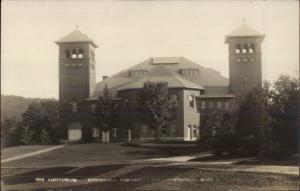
(245, 67)
(76, 70)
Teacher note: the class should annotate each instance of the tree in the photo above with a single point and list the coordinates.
(225, 139)
(37, 117)
(252, 122)
(284, 110)
(153, 101)
(107, 113)
(45, 138)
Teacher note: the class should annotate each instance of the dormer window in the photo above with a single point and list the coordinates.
(190, 72)
(80, 53)
(138, 73)
(74, 54)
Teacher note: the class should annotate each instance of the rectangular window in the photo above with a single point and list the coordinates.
(211, 105)
(174, 101)
(203, 105)
(115, 132)
(93, 107)
(191, 101)
(74, 107)
(219, 105)
(226, 105)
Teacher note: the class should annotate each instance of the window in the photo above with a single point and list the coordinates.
(195, 131)
(115, 134)
(172, 130)
(80, 53)
(226, 105)
(74, 84)
(79, 64)
(93, 107)
(211, 105)
(203, 105)
(238, 49)
(191, 101)
(252, 48)
(219, 105)
(67, 65)
(74, 107)
(73, 64)
(68, 54)
(95, 132)
(245, 49)
(74, 54)
(173, 100)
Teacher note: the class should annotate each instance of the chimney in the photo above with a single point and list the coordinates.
(104, 77)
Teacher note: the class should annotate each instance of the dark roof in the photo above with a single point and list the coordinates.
(76, 36)
(174, 65)
(244, 31)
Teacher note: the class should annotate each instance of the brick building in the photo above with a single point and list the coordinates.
(194, 90)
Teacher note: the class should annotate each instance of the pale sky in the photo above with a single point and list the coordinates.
(129, 32)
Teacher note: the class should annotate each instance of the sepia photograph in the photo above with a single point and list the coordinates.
(144, 95)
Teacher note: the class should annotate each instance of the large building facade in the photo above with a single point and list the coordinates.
(194, 90)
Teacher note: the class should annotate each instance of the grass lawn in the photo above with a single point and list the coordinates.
(95, 154)
(21, 150)
(165, 178)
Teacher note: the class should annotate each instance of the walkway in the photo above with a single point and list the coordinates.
(32, 154)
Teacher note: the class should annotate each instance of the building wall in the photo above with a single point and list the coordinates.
(190, 115)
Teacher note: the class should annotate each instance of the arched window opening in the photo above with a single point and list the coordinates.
(68, 54)
(74, 54)
(252, 48)
(245, 48)
(238, 49)
(80, 53)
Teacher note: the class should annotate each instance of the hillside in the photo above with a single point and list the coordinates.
(12, 106)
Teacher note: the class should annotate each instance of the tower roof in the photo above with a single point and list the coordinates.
(76, 36)
(244, 31)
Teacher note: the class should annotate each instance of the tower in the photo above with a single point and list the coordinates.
(76, 70)
(245, 67)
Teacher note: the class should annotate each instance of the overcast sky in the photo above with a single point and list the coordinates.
(129, 32)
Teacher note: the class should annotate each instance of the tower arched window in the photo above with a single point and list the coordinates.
(68, 54)
(245, 49)
(252, 48)
(80, 53)
(74, 53)
(238, 49)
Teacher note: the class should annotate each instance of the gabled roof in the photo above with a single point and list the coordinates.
(76, 36)
(161, 73)
(206, 77)
(244, 31)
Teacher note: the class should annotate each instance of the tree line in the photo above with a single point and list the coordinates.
(265, 122)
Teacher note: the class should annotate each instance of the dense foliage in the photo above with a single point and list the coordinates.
(265, 123)
(154, 104)
(37, 125)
